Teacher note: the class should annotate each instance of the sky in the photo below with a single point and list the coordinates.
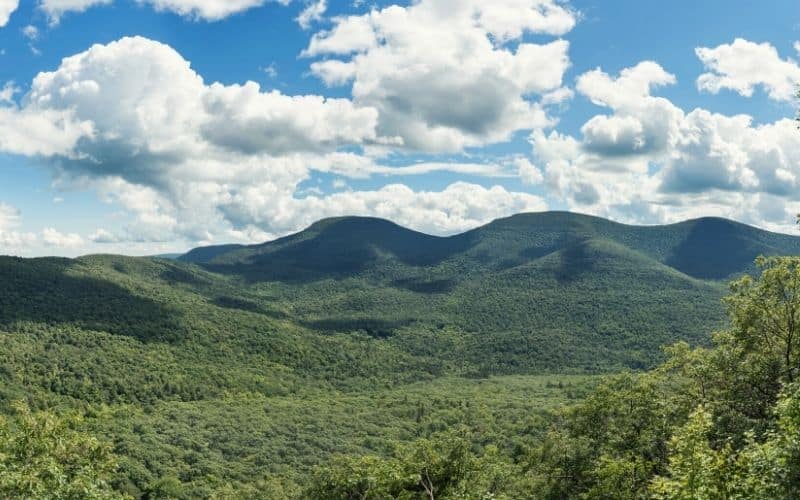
(153, 126)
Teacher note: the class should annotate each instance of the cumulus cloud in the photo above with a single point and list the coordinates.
(743, 65)
(245, 119)
(458, 207)
(208, 10)
(103, 236)
(641, 123)
(150, 112)
(474, 88)
(14, 241)
(133, 114)
(33, 132)
(7, 93)
(134, 122)
(54, 238)
(7, 7)
(528, 172)
(647, 160)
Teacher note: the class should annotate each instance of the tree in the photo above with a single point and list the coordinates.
(428, 469)
(703, 424)
(771, 469)
(44, 456)
(766, 314)
(696, 470)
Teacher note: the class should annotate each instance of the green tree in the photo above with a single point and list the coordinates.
(771, 469)
(441, 467)
(696, 470)
(766, 315)
(43, 456)
(635, 428)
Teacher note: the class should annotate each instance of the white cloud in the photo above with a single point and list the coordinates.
(208, 10)
(188, 160)
(7, 93)
(104, 236)
(57, 8)
(458, 207)
(245, 119)
(641, 124)
(743, 65)
(357, 166)
(148, 109)
(134, 113)
(650, 161)
(528, 172)
(14, 241)
(11, 239)
(34, 132)
(557, 96)
(7, 7)
(478, 169)
(632, 84)
(53, 238)
(312, 13)
(443, 75)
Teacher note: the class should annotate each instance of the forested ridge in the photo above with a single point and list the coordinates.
(358, 359)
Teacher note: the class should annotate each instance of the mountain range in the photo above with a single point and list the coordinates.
(581, 291)
(705, 248)
(242, 362)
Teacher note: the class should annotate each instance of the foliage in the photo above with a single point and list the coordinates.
(44, 456)
(696, 471)
(440, 467)
(707, 424)
(238, 379)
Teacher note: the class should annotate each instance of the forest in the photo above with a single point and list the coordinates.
(407, 377)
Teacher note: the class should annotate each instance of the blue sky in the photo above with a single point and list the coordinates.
(130, 127)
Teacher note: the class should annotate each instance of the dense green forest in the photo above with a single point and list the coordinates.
(358, 359)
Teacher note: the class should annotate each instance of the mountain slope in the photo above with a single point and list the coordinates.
(707, 248)
(264, 360)
(578, 292)
(338, 247)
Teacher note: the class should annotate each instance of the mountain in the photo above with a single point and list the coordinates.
(706, 248)
(205, 254)
(538, 291)
(236, 363)
(551, 290)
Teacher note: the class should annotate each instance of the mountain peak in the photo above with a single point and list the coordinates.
(704, 248)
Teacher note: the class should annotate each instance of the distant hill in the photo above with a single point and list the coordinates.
(206, 254)
(242, 362)
(168, 256)
(706, 248)
(552, 290)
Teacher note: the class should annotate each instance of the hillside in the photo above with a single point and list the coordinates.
(706, 248)
(281, 343)
(578, 285)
